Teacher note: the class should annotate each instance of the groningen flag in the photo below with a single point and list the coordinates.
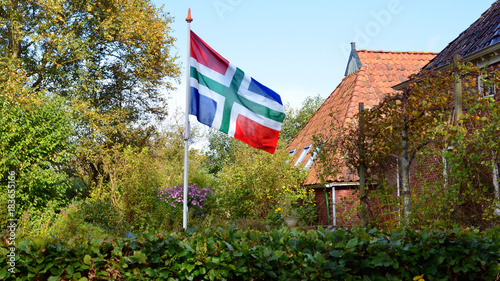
(227, 99)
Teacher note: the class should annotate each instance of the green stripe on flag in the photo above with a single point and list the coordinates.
(231, 97)
(207, 82)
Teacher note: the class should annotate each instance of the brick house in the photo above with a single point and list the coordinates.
(370, 75)
(368, 78)
(479, 45)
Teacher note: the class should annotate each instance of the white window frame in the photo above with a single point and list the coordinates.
(481, 88)
(303, 154)
(311, 159)
(290, 153)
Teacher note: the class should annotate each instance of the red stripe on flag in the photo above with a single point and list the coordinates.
(255, 134)
(207, 56)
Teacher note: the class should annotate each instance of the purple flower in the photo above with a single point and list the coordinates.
(174, 195)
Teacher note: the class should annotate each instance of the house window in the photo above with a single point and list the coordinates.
(484, 89)
(302, 155)
(311, 159)
(290, 153)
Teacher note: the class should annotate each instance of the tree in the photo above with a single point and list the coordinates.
(107, 58)
(296, 119)
(474, 149)
(403, 124)
(35, 130)
(114, 55)
(397, 129)
(221, 151)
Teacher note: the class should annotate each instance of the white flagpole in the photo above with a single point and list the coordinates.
(186, 125)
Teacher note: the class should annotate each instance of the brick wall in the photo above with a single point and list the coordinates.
(346, 201)
(319, 194)
(424, 170)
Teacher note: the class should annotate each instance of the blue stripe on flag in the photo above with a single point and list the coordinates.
(203, 107)
(264, 91)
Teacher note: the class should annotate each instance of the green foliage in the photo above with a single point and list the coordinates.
(131, 184)
(81, 81)
(296, 119)
(72, 223)
(275, 218)
(385, 208)
(308, 211)
(221, 151)
(468, 154)
(217, 254)
(131, 178)
(110, 54)
(90, 217)
(106, 61)
(251, 187)
(34, 139)
(294, 201)
(103, 214)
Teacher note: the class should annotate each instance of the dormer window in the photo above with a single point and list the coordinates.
(290, 153)
(311, 159)
(302, 155)
(484, 89)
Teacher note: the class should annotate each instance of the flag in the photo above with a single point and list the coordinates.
(227, 99)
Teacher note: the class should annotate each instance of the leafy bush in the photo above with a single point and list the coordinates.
(217, 254)
(35, 128)
(103, 214)
(132, 176)
(92, 215)
(297, 201)
(251, 186)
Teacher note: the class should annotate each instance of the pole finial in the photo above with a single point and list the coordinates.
(189, 19)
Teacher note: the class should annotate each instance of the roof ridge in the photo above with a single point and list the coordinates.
(356, 91)
(399, 52)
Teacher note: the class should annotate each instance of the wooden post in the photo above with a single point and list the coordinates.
(458, 107)
(362, 169)
(458, 88)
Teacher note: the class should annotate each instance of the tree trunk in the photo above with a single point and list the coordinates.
(15, 35)
(405, 176)
(362, 171)
(496, 185)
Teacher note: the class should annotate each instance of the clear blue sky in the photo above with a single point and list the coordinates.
(300, 48)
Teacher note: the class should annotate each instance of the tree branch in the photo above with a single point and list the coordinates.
(422, 145)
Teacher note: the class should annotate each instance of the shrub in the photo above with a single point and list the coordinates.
(174, 196)
(218, 254)
(171, 201)
(251, 186)
(295, 201)
(94, 217)
(103, 214)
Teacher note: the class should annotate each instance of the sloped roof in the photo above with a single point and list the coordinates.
(380, 70)
(483, 33)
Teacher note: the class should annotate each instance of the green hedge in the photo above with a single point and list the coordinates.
(217, 254)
